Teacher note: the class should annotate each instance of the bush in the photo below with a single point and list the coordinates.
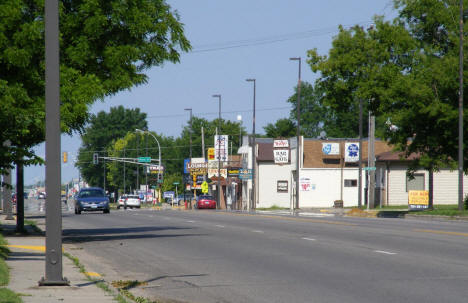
(465, 202)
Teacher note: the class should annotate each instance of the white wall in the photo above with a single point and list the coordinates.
(327, 189)
(445, 185)
(268, 174)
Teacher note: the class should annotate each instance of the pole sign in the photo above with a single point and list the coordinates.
(221, 147)
(211, 154)
(245, 174)
(281, 151)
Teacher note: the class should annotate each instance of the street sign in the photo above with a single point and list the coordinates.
(245, 174)
(176, 183)
(370, 168)
(144, 159)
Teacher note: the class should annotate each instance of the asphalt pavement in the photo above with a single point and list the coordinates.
(271, 256)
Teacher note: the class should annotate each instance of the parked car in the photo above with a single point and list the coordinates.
(91, 199)
(205, 201)
(42, 195)
(130, 201)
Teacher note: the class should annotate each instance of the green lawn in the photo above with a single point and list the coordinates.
(443, 210)
(6, 295)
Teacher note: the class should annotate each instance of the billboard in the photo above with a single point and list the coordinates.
(221, 147)
(331, 149)
(351, 152)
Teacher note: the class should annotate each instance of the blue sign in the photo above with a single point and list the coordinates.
(168, 194)
(186, 162)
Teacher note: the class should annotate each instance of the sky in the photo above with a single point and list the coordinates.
(232, 41)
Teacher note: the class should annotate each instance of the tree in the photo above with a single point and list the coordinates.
(282, 128)
(105, 48)
(98, 137)
(406, 71)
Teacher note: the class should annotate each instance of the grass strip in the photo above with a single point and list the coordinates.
(6, 295)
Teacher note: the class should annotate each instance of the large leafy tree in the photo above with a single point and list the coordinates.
(281, 128)
(106, 45)
(406, 71)
(103, 129)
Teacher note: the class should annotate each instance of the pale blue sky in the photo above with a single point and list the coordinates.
(269, 33)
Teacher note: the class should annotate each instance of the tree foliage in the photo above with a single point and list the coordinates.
(106, 45)
(103, 129)
(281, 128)
(406, 70)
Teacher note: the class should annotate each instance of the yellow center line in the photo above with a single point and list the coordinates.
(40, 248)
(441, 232)
(92, 274)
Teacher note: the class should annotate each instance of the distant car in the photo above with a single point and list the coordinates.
(205, 201)
(121, 201)
(91, 199)
(42, 195)
(132, 201)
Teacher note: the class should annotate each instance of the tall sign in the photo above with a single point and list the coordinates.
(221, 147)
(281, 151)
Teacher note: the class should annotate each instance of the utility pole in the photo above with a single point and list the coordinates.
(203, 142)
(298, 131)
(219, 151)
(104, 166)
(124, 175)
(7, 203)
(254, 149)
(189, 109)
(360, 155)
(460, 116)
(371, 203)
(53, 254)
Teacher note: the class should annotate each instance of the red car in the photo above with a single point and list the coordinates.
(205, 201)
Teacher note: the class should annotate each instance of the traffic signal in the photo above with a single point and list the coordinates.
(65, 157)
(95, 158)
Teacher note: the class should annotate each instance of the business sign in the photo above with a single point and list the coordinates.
(351, 152)
(280, 143)
(186, 162)
(331, 149)
(305, 184)
(233, 172)
(168, 194)
(155, 169)
(211, 154)
(418, 199)
(213, 172)
(282, 186)
(281, 156)
(245, 174)
(197, 168)
(221, 147)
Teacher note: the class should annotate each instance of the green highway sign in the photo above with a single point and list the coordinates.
(370, 168)
(176, 183)
(144, 159)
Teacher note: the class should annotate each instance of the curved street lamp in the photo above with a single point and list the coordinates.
(159, 150)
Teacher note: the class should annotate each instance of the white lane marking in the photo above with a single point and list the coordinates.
(308, 239)
(258, 231)
(315, 215)
(219, 226)
(190, 221)
(385, 252)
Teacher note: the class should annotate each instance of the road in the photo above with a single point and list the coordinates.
(209, 256)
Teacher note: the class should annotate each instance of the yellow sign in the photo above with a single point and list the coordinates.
(211, 153)
(204, 187)
(418, 199)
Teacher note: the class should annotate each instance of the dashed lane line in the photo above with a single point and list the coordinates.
(385, 252)
(258, 231)
(308, 239)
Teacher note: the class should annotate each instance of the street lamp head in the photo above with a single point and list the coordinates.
(250, 80)
(216, 96)
(188, 109)
(139, 130)
(295, 58)
(239, 118)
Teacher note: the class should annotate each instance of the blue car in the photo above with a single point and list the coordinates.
(91, 199)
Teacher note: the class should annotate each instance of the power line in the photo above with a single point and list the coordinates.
(216, 113)
(272, 39)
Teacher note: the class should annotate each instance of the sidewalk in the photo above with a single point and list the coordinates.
(27, 266)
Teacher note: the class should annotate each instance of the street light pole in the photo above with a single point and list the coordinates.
(53, 245)
(254, 148)
(189, 109)
(218, 204)
(159, 150)
(298, 131)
